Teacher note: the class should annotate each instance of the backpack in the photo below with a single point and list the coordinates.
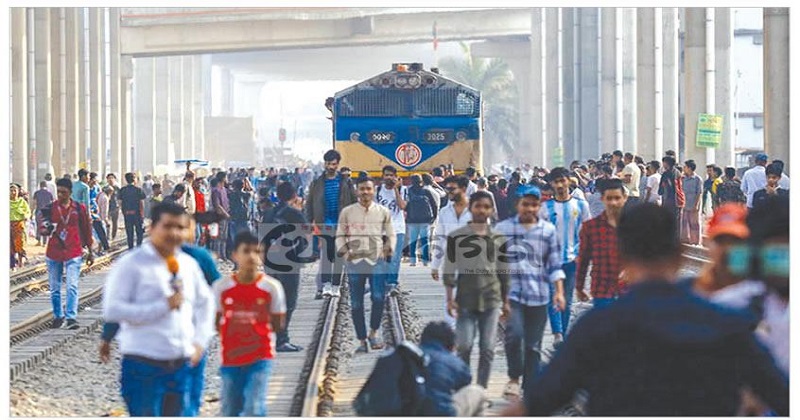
(419, 207)
(397, 385)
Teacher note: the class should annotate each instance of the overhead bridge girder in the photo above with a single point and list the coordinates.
(206, 35)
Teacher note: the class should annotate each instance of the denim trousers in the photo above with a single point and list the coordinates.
(393, 268)
(291, 284)
(330, 265)
(358, 274)
(154, 391)
(244, 389)
(559, 321)
(523, 341)
(484, 324)
(418, 233)
(194, 395)
(100, 232)
(133, 223)
(602, 302)
(55, 269)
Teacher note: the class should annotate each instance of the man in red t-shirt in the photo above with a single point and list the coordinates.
(67, 224)
(251, 307)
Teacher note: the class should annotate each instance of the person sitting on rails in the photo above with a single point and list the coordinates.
(68, 225)
(365, 239)
(474, 264)
(159, 296)
(250, 307)
(658, 350)
(532, 239)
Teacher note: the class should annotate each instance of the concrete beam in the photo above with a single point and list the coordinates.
(646, 83)
(57, 80)
(725, 155)
(695, 82)
(97, 150)
(144, 115)
(608, 66)
(629, 74)
(536, 88)
(589, 140)
(554, 93)
(43, 152)
(19, 97)
(570, 79)
(163, 110)
(73, 30)
(176, 149)
(671, 73)
(776, 84)
(202, 87)
(187, 109)
(117, 148)
(209, 37)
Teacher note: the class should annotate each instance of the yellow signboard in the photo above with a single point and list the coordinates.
(709, 130)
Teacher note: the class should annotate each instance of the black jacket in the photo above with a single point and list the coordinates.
(660, 351)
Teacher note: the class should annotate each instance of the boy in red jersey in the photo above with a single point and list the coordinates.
(250, 308)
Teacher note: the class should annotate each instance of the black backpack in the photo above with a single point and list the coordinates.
(397, 385)
(419, 207)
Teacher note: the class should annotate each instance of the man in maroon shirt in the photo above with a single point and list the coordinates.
(598, 245)
(68, 225)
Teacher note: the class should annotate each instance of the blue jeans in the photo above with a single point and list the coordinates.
(393, 268)
(418, 232)
(54, 271)
(153, 391)
(602, 302)
(196, 379)
(483, 324)
(523, 342)
(244, 389)
(291, 283)
(559, 321)
(358, 275)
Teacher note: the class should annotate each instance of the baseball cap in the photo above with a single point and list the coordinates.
(729, 219)
(762, 157)
(524, 190)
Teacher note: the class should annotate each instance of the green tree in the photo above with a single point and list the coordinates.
(494, 79)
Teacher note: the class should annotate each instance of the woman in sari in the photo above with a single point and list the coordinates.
(20, 213)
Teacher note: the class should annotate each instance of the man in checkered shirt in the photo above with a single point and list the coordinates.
(598, 245)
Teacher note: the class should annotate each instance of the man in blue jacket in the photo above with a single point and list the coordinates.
(659, 350)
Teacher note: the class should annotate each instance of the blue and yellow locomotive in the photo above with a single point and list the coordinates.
(411, 118)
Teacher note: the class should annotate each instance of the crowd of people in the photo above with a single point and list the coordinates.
(515, 247)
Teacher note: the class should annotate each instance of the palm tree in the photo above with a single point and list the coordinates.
(493, 78)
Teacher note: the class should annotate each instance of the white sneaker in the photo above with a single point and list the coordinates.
(335, 291)
(327, 290)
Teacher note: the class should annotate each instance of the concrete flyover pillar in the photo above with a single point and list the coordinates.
(83, 89)
(115, 96)
(226, 92)
(57, 80)
(125, 107)
(646, 83)
(671, 76)
(570, 81)
(176, 109)
(144, 117)
(187, 114)
(30, 77)
(725, 154)
(19, 96)
(554, 93)
(629, 75)
(536, 85)
(608, 67)
(163, 111)
(695, 86)
(73, 64)
(97, 150)
(589, 139)
(776, 84)
(43, 86)
(200, 84)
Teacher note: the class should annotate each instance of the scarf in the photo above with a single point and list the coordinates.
(19, 210)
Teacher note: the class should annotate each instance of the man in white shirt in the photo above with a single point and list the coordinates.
(653, 179)
(392, 195)
(755, 178)
(453, 216)
(51, 185)
(166, 311)
(472, 176)
(631, 174)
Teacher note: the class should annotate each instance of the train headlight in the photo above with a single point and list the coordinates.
(414, 81)
(461, 135)
(401, 81)
(354, 136)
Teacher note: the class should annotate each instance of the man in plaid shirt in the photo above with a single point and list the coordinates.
(534, 262)
(598, 245)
